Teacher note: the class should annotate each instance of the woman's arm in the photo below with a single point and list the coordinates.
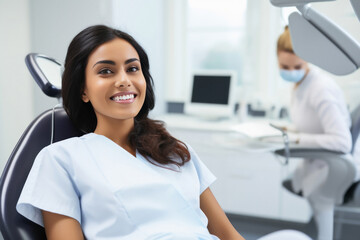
(219, 225)
(59, 227)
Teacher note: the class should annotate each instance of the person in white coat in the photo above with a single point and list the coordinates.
(321, 119)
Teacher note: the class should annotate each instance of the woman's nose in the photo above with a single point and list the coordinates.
(122, 81)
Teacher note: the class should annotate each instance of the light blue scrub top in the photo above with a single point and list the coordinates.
(115, 195)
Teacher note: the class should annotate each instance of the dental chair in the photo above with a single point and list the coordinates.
(51, 126)
(318, 40)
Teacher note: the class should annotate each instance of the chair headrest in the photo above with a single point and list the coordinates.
(47, 73)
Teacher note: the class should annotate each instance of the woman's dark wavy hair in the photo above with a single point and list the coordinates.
(149, 137)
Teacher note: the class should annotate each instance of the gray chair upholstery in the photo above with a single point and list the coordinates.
(37, 136)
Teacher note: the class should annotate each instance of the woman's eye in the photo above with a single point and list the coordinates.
(105, 71)
(133, 69)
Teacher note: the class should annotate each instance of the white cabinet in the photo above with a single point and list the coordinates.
(247, 183)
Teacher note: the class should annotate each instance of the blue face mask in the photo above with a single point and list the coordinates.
(292, 75)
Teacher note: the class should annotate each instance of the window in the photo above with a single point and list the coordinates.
(215, 34)
(238, 35)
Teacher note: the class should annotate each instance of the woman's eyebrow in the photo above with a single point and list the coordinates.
(131, 60)
(106, 62)
(113, 63)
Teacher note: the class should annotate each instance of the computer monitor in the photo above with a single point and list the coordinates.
(211, 94)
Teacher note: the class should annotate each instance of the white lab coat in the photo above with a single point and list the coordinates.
(114, 195)
(320, 115)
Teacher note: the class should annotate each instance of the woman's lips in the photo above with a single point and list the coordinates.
(125, 97)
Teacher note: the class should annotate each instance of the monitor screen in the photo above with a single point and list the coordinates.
(212, 94)
(211, 89)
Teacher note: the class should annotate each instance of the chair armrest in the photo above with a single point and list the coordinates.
(342, 170)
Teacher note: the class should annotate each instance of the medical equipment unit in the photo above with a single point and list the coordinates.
(51, 126)
(318, 40)
(212, 94)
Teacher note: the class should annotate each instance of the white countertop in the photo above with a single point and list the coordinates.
(190, 122)
(230, 133)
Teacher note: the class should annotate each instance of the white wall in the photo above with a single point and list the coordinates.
(16, 108)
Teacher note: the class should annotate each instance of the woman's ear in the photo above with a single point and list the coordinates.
(85, 98)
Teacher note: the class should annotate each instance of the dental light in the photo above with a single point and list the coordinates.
(320, 41)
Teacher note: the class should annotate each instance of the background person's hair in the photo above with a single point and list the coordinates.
(284, 42)
(149, 137)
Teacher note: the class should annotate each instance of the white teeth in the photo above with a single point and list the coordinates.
(124, 97)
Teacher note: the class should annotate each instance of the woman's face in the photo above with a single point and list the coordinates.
(114, 82)
(289, 61)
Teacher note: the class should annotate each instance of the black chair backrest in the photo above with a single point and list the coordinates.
(355, 127)
(38, 135)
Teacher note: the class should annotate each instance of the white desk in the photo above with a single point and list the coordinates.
(248, 182)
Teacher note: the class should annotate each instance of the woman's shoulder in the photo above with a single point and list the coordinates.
(321, 80)
(66, 152)
(66, 143)
(194, 157)
(323, 86)
(67, 146)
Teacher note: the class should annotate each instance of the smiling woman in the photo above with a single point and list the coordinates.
(107, 76)
(127, 177)
(116, 88)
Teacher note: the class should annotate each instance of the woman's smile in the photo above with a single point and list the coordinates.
(124, 97)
